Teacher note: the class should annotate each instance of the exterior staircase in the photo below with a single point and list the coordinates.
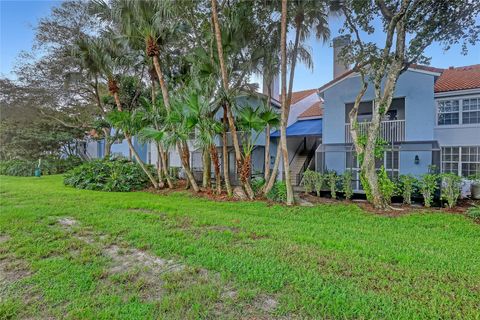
(296, 167)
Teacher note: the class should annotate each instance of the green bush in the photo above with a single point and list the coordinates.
(387, 187)
(108, 175)
(257, 184)
(407, 187)
(319, 180)
(347, 177)
(309, 178)
(278, 193)
(332, 179)
(451, 188)
(48, 166)
(428, 184)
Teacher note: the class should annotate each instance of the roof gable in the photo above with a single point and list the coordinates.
(300, 95)
(315, 110)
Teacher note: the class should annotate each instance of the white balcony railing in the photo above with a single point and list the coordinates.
(391, 131)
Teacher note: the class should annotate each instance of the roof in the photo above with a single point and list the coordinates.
(300, 95)
(315, 110)
(302, 128)
(350, 72)
(461, 78)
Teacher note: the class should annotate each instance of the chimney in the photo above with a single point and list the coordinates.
(275, 87)
(338, 43)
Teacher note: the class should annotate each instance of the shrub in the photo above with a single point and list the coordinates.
(407, 185)
(17, 168)
(319, 180)
(257, 184)
(387, 187)
(48, 166)
(108, 175)
(474, 212)
(309, 177)
(332, 178)
(347, 184)
(451, 188)
(428, 184)
(278, 192)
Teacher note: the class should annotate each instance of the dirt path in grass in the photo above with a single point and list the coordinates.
(156, 275)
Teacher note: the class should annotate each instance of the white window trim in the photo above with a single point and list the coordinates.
(460, 110)
(460, 162)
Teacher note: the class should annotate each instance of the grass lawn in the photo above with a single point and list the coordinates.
(67, 253)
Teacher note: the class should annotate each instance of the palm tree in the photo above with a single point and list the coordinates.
(225, 82)
(207, 129)
(284, 113)
(307, 15)
(178, 129)
(253, 122)
(154, 113)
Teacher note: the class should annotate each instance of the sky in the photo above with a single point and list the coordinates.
(18, 19)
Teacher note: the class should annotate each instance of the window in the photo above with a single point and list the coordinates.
(390, 161)
(463, 111)
(471, 111)
(448, 112)
(464, 161)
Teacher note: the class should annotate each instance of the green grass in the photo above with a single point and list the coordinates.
(328, 261)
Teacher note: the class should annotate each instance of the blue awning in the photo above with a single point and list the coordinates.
(302, 128)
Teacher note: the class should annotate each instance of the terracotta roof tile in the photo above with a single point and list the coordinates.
(461, 78)
(300, 95)
(315, 110)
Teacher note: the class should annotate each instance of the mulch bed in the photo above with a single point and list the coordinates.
(397, 209)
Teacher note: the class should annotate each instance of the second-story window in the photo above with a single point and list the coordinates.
(448, 112)
(471, 111)
(460, 111)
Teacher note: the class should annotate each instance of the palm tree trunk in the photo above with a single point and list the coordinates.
(163, 154)
(216, 168)
(231, 122)
(140, 162)
(226, 166)
(108, 144)
(184, 155)
(284, 115)
(130, 145)
(161, 80)
(273, 176)
(116, 97)
(159, 166)
(267, 137)
(166, 101)
(207, 169)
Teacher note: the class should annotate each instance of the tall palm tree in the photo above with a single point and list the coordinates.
(284, 113)
(225, 82)
(114, 58)
(306, 15)
(150, 23)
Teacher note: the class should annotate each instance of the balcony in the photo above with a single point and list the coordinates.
(391, 130)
